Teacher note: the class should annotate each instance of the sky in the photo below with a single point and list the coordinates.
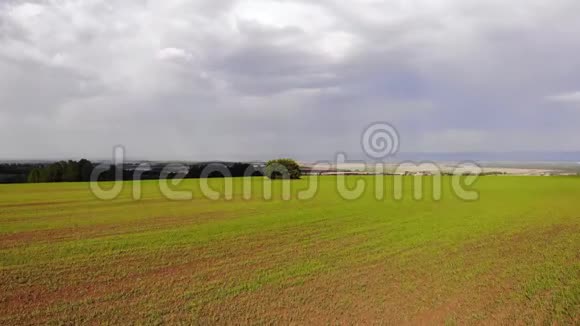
(242, 79)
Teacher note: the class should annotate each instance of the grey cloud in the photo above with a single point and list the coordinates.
(32, 88)
(206, 79)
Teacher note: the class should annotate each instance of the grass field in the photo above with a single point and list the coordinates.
(511, 256)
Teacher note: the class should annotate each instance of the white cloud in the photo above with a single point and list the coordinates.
(278, 14)
(174, 54)
(572, 97)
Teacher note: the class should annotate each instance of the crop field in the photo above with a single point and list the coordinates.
(512, 256)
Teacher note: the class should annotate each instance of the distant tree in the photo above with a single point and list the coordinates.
(243, 170)
(238, 169)
(55, 171)
(283, 169)
(34, 176)
(85, 170)
(195, 171)
(71, 171)
(43, 175)
(63, 171)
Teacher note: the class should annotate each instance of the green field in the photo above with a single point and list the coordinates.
(511, 256)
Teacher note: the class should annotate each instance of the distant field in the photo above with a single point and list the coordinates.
(511, 256)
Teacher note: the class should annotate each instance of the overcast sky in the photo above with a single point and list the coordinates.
(211, 79)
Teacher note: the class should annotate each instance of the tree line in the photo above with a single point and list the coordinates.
(16, 172)
(81, 171)
(63, 171)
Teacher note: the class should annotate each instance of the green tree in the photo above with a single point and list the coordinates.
(284, 168)
(34, 176)
(86, 168)
(55, 172)
(71, 171)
